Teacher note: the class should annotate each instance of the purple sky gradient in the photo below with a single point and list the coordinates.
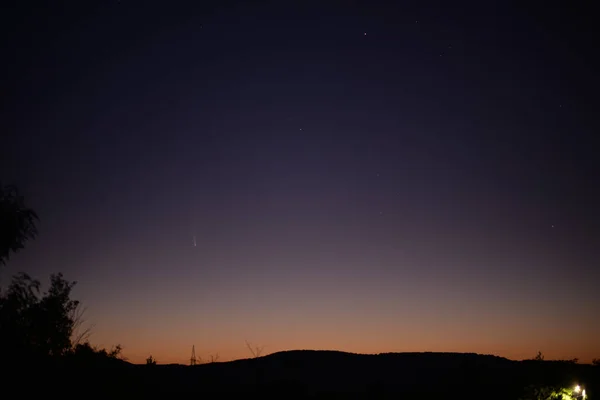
(429, 186)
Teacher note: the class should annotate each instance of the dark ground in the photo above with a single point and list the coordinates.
(312, 374)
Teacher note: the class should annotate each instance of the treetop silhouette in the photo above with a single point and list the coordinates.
(17, 222)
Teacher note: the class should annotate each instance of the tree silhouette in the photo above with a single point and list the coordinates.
(34, 326)
(17, 222)
(80, 333)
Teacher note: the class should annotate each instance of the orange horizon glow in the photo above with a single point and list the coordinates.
(354, 314)
(174, 347)
(310, 178)
(231, 354)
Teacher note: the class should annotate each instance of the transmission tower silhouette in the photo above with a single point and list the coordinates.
(193, 357)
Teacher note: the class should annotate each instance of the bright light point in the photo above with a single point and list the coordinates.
(577, 389)
(583, 394)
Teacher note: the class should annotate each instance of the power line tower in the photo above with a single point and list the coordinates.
(193, 357)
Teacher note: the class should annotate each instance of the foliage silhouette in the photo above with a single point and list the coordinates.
(86, 349)
(17, 222)
(33, 325)
(86, 355)
(551, 393)
(38, 327)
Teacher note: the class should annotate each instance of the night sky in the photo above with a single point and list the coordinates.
(367, 178)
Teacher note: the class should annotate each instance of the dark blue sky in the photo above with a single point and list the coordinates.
(414, 169)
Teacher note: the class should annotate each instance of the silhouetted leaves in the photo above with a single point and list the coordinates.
(17, 222)
(87, 355)
(33, 325)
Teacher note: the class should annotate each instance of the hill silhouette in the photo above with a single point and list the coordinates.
(322, 374)
(43, 353)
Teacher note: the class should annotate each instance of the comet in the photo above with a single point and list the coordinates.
(194, 240)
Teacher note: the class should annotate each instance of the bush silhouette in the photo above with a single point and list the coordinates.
(85, 354)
